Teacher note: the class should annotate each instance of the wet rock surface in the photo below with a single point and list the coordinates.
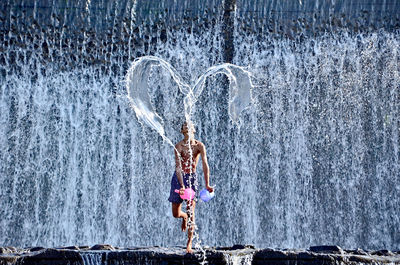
(237, 254)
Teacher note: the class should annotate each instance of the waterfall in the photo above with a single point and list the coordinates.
(314, 159)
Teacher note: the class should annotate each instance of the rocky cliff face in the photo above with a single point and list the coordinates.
(238, 254)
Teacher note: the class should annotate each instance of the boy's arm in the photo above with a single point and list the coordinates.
(206, 169)
(178, 169)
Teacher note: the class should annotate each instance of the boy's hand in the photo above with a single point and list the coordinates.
(209, 188)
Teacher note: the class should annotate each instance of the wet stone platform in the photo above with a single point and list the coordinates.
(238, 254)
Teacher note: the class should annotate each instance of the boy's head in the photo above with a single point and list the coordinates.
(187, 128)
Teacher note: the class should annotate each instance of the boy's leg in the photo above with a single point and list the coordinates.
(190, 210)
(177, 213)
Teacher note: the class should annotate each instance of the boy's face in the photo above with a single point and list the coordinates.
(186, 129)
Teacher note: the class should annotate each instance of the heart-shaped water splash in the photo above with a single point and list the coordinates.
(240, 87)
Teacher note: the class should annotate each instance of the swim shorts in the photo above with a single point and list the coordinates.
(187, 178)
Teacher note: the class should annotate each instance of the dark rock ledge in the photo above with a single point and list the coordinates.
(238, 254)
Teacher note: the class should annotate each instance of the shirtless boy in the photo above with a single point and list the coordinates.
(187, 154)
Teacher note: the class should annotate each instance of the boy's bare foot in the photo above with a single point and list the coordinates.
(189, 246)
(189, 250)
(184, 223)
